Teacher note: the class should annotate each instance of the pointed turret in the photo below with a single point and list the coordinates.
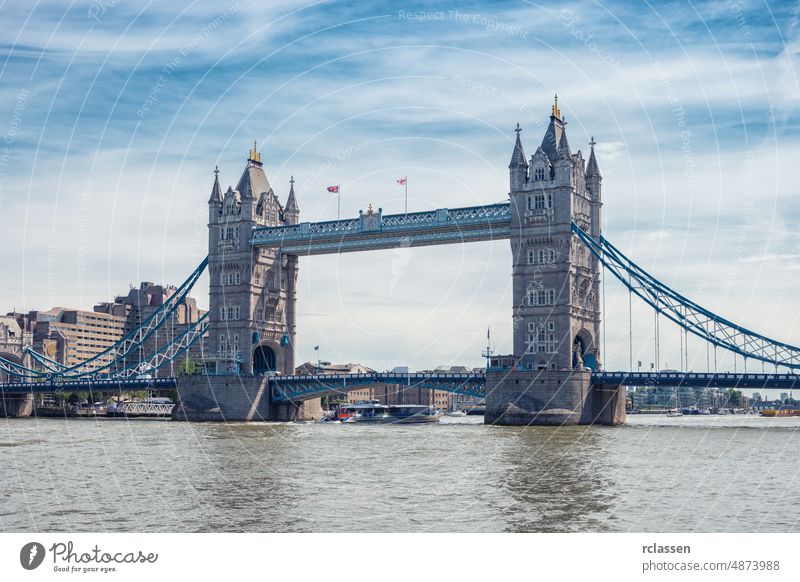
(591, 167)
(291, 211)
(518, 167)
(518, 156)
(594, 184)
(216, 191)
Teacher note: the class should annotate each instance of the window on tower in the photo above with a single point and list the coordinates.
(543, 341)
(538, 174)
(541, 256)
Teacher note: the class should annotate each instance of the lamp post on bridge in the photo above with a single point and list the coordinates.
(488, 353)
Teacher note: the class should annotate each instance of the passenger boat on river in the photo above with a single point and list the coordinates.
(387, 413)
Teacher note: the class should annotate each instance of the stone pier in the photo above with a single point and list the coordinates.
(551, 397)
(236, 399)
(16, 405)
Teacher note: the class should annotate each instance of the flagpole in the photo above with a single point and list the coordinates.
(338, 202)
(405, 183)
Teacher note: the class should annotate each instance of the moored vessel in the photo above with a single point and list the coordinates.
(374, 412)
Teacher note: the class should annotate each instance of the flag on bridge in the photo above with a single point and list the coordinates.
(333, 189)
(402, 181)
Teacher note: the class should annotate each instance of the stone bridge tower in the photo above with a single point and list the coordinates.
(556, 288)
(252, 292)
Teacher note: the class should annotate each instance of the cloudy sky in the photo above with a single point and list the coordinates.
(114, 115)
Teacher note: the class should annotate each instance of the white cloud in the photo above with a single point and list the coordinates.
(713, 214)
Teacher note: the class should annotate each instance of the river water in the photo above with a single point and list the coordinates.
(655, 474)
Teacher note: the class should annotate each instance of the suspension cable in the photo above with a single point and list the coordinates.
(680, 331)
(630, 324)
(605, 343)
(686, 348)
(701, 322)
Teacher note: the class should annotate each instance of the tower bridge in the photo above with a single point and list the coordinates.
(555, 375)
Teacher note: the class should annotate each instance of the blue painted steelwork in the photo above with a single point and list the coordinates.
(88, 384)
(170, 352)
(115, 356)
(304, 387)
(375, 231)
(697, 379)
(689, 315)
(49, 364)
(19, 370)
(442, 226)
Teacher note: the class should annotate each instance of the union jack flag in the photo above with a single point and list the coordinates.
(334, 189)
(401, 181)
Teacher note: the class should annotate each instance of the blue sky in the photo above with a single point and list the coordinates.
(114, 116)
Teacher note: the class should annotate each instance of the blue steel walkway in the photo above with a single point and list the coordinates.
(373, 231)
(88, 385)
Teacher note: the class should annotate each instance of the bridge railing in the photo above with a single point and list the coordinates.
(305, 386)
(95, 385)
(441, 218)
(698, 379)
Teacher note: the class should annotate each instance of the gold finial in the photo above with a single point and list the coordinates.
(254, 155)
(556, 110)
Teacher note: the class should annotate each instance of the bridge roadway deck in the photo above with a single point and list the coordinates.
(376, 231)
(303, 387)
(88, 385)
(697, 379)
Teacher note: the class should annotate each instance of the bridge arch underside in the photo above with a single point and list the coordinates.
(583, 355)
(265, 358)
(300, 389)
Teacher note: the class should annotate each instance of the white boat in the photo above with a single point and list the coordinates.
(673, 412)
(457, 413)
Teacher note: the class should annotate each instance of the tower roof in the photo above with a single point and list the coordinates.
(591, 166)
(291, 202)
(216, 191)
(555, 138)
(518, 157)
(253, 181)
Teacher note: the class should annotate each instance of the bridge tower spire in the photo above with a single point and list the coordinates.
(518, 167)
(251, 291)
(556, 302)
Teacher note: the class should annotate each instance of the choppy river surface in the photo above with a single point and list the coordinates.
(719, 473)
